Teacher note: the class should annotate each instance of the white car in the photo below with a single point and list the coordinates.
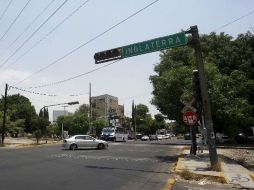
(144, 138)
(83, 141)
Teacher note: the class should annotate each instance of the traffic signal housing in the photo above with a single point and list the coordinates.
(72, 103)
(196, 81)
(108, 55)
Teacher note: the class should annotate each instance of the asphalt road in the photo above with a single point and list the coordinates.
(122, 166)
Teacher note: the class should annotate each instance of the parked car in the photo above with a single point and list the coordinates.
(153, 137)
(138, 135)
(222, 138)
(187, 136)
(84, 141)
(145, 138)
(244, 138)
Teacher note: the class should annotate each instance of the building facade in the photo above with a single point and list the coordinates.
(107, 108)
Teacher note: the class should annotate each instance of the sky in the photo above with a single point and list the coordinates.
(48, 41)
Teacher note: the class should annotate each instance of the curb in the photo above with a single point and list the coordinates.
(251, 174)
(19, 146)
(170, 183)
(180, 168)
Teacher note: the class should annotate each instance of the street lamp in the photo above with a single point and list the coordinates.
(67, 103)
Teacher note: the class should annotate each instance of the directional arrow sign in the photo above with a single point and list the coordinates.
(157, 44)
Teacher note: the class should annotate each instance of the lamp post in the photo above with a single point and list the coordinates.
(65, 105)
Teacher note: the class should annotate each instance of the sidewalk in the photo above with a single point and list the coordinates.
(26, 142)
(231, 172)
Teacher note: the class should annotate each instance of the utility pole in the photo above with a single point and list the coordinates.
(63, 123)
(204, 93)
(90, 110)
(5, 109)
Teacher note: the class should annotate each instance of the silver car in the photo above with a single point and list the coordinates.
(83, 141)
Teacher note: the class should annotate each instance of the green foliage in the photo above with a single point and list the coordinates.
(77, 123)
(52, 130)
(37, 135)
(98, 125)
(229, 68)
(19, 107)
(16, 127)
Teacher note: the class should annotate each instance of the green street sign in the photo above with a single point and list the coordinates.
(149, 46)
(156, 44)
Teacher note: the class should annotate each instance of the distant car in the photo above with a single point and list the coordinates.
(222, 138)
(160, 137)
(187, 136)
(244, 138)
(153, 137)
(84, 141)
(138, 135)
(144, 138)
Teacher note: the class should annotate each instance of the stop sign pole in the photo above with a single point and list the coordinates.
(190, 118)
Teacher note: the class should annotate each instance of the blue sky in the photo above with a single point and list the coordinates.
(127, 79)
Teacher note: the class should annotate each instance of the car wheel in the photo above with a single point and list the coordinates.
(101, 146)
(73, 147)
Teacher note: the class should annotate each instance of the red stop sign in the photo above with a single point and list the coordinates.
(190, 118)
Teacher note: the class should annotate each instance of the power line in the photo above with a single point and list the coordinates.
(13, 22)
(74, 77)
(35, 19)
(5, 10)
(89, 41)
(47, 35)
(33, 33)
(44, 94)
(229, 23)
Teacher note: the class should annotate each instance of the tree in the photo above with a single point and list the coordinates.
(229, 68)
(77, 123)
(52, 130)
(98, 125)
(38, 135)
(143, 119)
(19, 107)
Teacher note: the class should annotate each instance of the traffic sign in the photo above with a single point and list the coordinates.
(156, 44)
(190, 118)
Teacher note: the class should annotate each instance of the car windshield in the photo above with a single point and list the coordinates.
(108, 130)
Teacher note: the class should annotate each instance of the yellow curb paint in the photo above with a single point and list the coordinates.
(251, 174)
(179, 166)
(171, 181)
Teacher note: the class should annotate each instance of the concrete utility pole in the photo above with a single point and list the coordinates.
(5, 109)
(204, 93)
(63, 123)
(90, 110)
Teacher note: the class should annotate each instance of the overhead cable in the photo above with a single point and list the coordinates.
(74, 77)
(5, 10)
(33, 33)
(89, 41)
(34, 20)
(16, 18)
(233, 21)
(47, 35)
(44, 94)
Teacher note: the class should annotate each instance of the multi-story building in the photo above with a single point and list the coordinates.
(108, 109)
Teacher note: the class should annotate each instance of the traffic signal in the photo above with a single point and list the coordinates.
(72, 103)
(108, 55)
(197, 87)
